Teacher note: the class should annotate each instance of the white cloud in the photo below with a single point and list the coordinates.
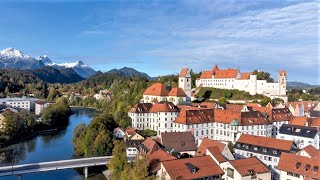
(276, 39)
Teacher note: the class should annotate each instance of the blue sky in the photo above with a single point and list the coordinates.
(161, 37)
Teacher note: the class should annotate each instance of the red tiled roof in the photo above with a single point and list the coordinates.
(163, 107)
(205, 165)
(206, 75)
(234, 107)
(183, 72)
(215, 68)
(148, 146)
(158, 156)
(253, 118)
(130, 131)
(312, 151)
(253, 105)
(216, 153)
(157, 89)
(283, 72)
(264, 110)
(205, 143)
(226, 116)
(243, 118)
(306, 121)
(178, 92)
(193, 115)
(244, 76)
(228, 73)
(299, 120)
(179, 141)
(204, 105)
(141, 108)
(280, 144)
(298, 164)
(282, 114)
(243, 166)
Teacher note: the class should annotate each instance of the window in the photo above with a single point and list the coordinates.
(274, 152)
(264, 149)
(230, 172)
(269, 158)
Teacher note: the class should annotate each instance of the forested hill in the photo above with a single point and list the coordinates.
(12, 80)
(52, 75)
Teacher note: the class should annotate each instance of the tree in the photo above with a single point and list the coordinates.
(56, 114)
(31, 122)
(262, 75)
(77, 138)
(97, 140)
(53, 93)
(227, 93)
(264, 101)
(119, 160)
(139, 170)
(13, 124)
(222, 100)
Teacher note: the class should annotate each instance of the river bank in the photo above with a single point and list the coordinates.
(52, 146)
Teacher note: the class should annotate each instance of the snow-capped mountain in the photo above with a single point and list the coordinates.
(15, 59)
(79, 67)
(45, 59)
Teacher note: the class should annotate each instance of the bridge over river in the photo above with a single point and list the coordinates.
(19, 170)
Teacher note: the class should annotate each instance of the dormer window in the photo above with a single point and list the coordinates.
(315, 169)
(274, 152)
(193, 169)
(264, 149)
(298, 164)
(307, 167)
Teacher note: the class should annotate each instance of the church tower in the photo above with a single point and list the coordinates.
(185, 82)
(282, 80)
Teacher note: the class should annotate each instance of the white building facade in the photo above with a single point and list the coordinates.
(268, 150)
(301, 135)
(233, 79)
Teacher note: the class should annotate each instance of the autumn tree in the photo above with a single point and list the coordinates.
(119, 160)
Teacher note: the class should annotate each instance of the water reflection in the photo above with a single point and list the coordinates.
(13, 154)
(56, 145)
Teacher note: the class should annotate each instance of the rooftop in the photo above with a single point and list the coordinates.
(308, 167)
(249, 166)
(266, 142)
(302, 131)
(179, 141)
(192, 168)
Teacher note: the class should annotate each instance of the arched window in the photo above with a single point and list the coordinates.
(146, 98)
(201, 132)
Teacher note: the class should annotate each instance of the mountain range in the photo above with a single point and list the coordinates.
(15, 59)
(129, 72)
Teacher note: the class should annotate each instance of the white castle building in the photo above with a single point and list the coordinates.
(233, 79)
